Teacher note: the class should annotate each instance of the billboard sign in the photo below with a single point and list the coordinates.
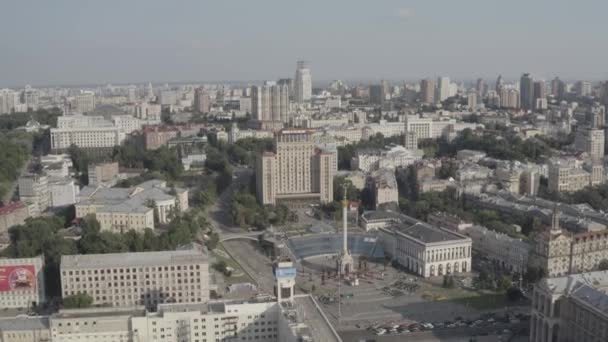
(285, 272)
(17, 278)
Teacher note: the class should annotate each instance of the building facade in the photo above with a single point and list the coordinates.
(570, 308)
(303, 83)
(425, 249)
(297, 170)
(34, 190)
(144, 278)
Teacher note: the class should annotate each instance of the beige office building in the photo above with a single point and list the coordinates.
(145, 278)
(297, 171)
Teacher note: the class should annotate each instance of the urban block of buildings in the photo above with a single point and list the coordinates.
(137, 208)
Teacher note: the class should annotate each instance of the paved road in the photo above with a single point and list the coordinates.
(256, 264)
(456, 334)
(219, 213)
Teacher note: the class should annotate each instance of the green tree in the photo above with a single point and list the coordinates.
(77, 301)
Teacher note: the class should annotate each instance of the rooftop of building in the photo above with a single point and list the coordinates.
(593, 298)
(134, 199)
(24, 323)
(11, 207)
(127, 260)
(99, 312)
(427, 233)
(567, 284)
(380, 215)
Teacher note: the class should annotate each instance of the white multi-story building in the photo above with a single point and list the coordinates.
(150, 113)
(391, 157)
(443, 88)
(258, 320)
(383, 185)
(21, 282)
(84, 102)
(237, 134)
(143, 278)
(34, 190)
(425, 249)
(87, 132)
(62, 192)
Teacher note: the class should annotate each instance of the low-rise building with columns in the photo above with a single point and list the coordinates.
(425, 249)
(570, 308)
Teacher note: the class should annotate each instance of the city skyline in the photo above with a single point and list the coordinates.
(128, 42)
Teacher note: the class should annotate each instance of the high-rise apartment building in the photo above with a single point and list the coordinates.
(499, 84)
(540, 90)
(376, 94)
(443, 88)
(583, 88)
(297, 171)
(526, 91)
(481, 87)
(30, 97)
(202, 101)
(303, 82)
(509, 98)
(558, 88)
(270, 102)
(279, 102)
(144, 278)
(427, 91)
(9, 100)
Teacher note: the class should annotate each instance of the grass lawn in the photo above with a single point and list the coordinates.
(474, 299)
(485, 301)
(239, 276)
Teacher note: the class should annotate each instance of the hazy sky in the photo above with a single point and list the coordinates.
(122, 41)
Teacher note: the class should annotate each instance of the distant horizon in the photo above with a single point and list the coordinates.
(316, 83)
(66, 42)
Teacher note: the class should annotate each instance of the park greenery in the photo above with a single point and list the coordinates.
(596, 196)
(246, 212)
(499, 145)
(44, 236)
(163, 163)
(16, 147)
